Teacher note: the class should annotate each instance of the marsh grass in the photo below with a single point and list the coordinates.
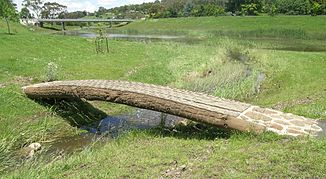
(229, 74)
(268, 33)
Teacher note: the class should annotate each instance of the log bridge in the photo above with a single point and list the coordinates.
(63, 21)
(191, 105)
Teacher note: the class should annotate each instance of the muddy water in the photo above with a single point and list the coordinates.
(111, 127)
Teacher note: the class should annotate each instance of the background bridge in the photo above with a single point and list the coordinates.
(63, 21)
(195, 106)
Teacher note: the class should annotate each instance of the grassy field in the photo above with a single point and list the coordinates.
(237, 51)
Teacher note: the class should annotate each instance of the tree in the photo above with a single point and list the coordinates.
(8, 12)
(101, 11)
(249, 9)
(24, 13)
(52, 10)
(35, 6)
(318, 7)
(234, 5)
(294, 7)
(188, 8)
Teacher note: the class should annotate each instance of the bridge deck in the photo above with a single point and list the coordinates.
(85, 20)
(191, 105)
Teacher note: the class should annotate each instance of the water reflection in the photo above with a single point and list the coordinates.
(132, 37)
(322, 124)
(140, 119)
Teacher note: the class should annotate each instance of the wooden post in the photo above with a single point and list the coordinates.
(110, 24)
(107, 44)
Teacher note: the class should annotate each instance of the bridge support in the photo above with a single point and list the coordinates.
(63, 27)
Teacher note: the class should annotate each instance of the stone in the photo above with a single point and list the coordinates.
(310, 122)
(35, 146)
(288, 116)
(295, 128)
(298, 123)
(245, 118)
(257, 116)
(276, 126)
(29, 151)
(315, 127)
(292, 131)
(264, 110)
(283, 122)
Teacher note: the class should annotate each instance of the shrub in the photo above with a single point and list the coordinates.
(294, 7)
(52, 71)
(315, 10)
(249, 9)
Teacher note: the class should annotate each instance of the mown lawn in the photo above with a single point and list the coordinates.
(294, 81)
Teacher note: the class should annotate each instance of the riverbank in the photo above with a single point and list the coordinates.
(243, 69)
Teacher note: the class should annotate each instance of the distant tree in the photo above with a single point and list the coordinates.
(52, 10)
(156, 10)
(212, 10)
(24, 13)
(188, 8)
(249, 9)
(35, 6)
(8, 12)
(294, 7)
(101, 11)
(234, 5)
(318, 7)
(315, 9)
(271, 9)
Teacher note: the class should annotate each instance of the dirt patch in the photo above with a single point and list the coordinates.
(175, 171)
(22, 80)
(190, 76)
(295, 102)
(2, 85)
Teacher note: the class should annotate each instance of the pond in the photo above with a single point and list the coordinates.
(134, 37)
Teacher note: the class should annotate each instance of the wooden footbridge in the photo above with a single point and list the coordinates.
(191, 105)
(63, 21)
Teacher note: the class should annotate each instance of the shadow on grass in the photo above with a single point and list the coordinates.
(51, 28)
(76, 112)
(192, 131)
(79, 113)
(207, 132)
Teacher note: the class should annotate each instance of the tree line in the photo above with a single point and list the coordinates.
(166, 9)
(196, 8)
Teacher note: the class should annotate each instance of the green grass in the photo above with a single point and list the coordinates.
(294, 82)
(148, 155)
(263, 26)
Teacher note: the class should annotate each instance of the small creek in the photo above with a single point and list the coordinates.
(109, 128)
(322, 124)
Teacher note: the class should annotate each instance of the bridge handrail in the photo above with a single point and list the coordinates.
(85, 20)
